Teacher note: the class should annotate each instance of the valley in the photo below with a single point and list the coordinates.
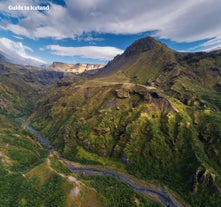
(162, 194)
(150, 118)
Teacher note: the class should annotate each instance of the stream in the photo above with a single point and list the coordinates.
(164, 197)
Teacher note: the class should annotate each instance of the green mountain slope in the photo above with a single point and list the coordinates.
(19, 150)
(29, 174)
(20, 86)
(141, 61)
(155, 110)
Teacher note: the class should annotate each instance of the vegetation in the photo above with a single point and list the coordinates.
(58, 167)
(19, 153)
(151, 111)
(16, 191)
(117, 193)
(155, 110)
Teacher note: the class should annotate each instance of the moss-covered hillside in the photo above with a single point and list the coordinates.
(31, 175)
(154, 110)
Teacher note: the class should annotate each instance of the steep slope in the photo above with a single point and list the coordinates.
(21, 85)
(154, 110)
(29, 175)
(193, 78)
(140, 62)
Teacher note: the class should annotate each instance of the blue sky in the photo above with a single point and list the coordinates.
(94, 31)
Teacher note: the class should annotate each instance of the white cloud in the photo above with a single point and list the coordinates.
(198, 21)
(181, 21)
(92, 52)
(209, 45)
(16, 52)
(18, 37)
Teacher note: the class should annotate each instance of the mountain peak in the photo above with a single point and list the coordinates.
(141, 60)
(143, 45)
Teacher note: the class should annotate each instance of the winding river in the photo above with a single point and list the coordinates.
(164, 197)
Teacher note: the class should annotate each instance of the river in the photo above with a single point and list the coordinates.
(164, 197)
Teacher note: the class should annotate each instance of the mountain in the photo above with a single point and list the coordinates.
(152, 63)
(30, 174)
(152, 111)
(140, 62)
(74, 68)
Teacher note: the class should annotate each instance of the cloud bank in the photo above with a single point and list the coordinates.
(15, 52)
(92, 52)
(180, 21)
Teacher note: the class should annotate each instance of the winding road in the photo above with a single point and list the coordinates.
(164, 197)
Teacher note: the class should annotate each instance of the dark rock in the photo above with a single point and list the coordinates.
(125, 160)
(217, 87)
(2, 67)
(205, 178)
(215, 71)
(63, 83)
(64, 104)
(169, 66)
(154, 95)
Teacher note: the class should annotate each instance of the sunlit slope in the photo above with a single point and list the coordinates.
(155, 110)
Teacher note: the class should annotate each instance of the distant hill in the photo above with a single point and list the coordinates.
(21, 85)
(140, 61)
(74, 68)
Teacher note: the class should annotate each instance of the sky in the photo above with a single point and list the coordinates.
(39, 32)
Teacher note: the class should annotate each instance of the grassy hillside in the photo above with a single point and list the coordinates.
(155, 111)
(29, 174)
(20, 86)
(154, 135)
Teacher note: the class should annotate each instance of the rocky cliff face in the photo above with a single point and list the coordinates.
(74, 68)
